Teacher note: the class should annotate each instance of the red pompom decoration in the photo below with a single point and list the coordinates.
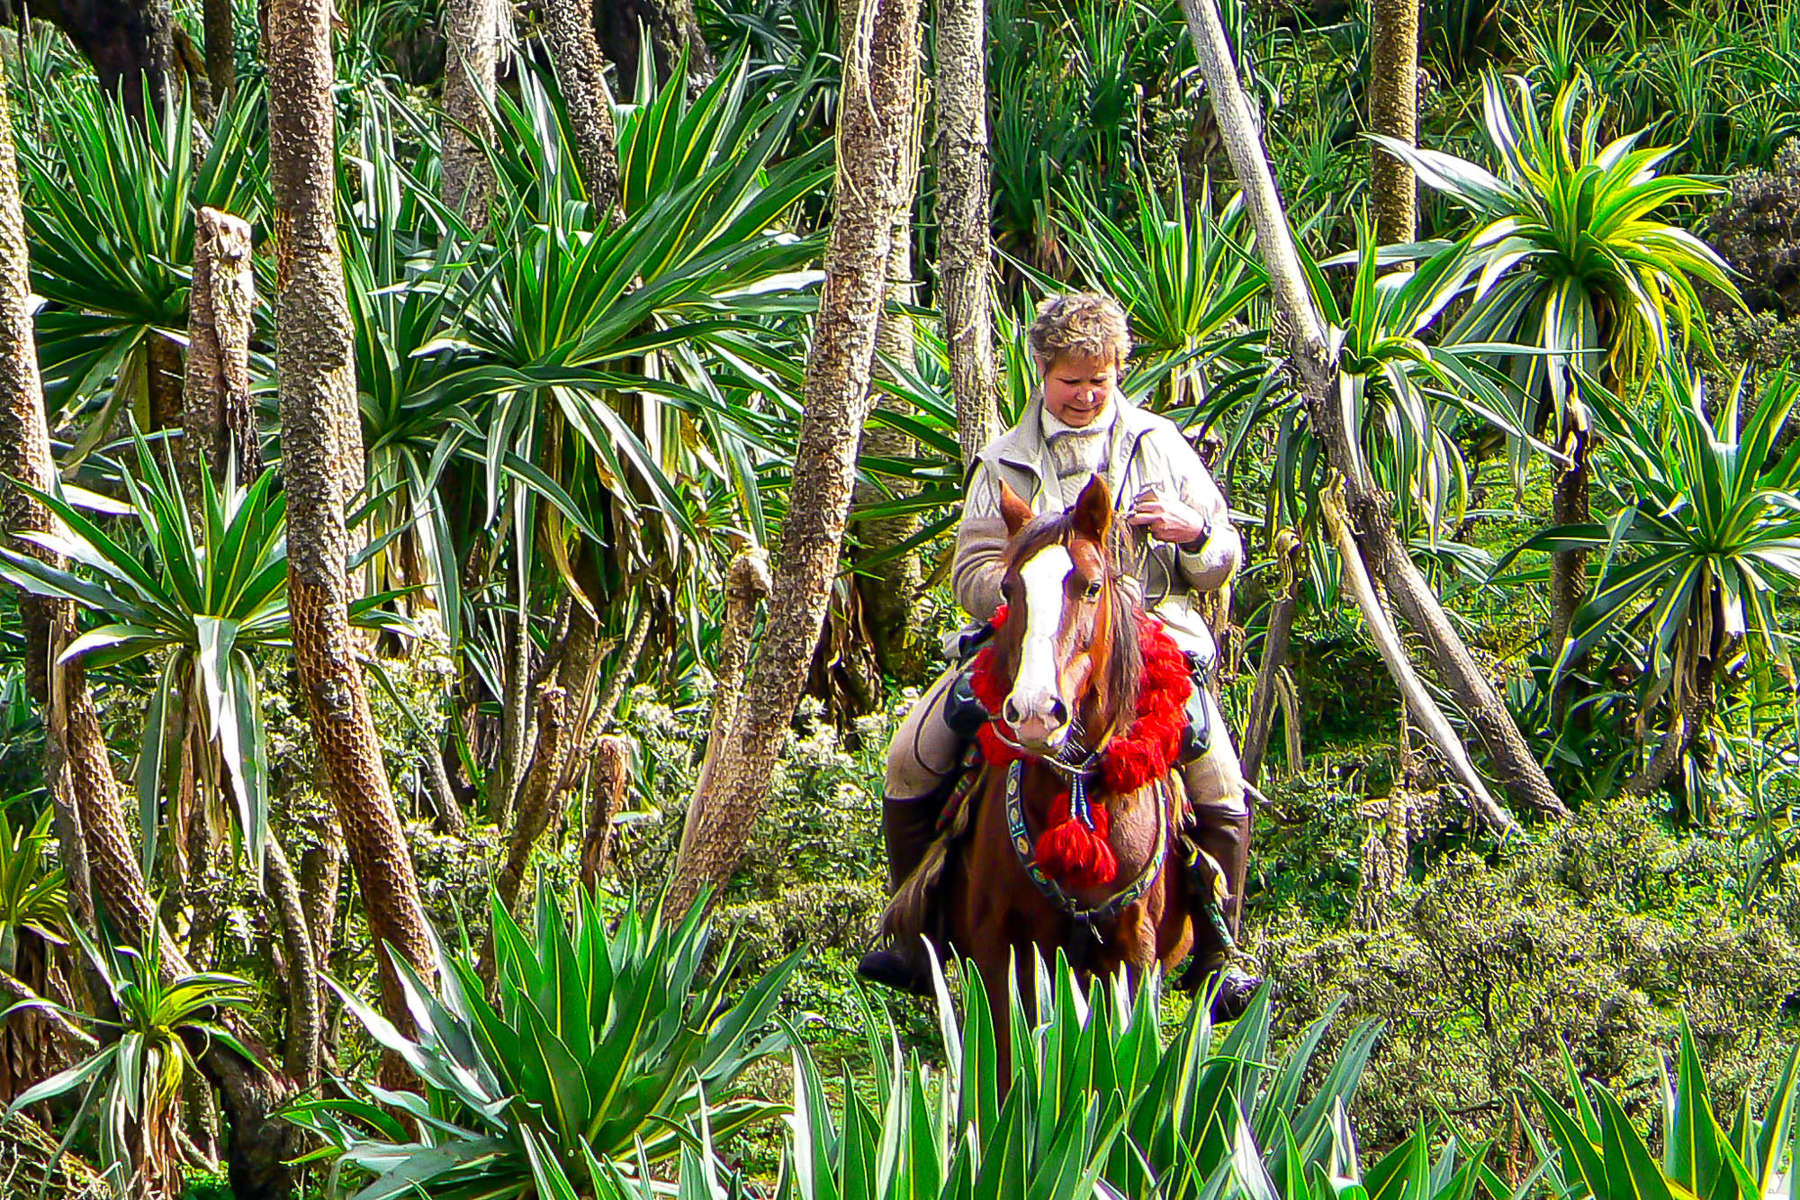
(1074, 855)
(1068, 851)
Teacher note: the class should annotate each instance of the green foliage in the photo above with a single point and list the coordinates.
(1600, 1153)
(110, 223)
(1398, 393)
(199, 589)
(1592, 936)
(599, 1047)
(1707, 529)
(1575, 261)
(136, 1075)
(1100, 1104)
(33, 892)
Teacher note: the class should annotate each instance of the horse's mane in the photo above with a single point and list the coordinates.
(1125, 657)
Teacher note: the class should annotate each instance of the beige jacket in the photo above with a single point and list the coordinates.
(1147, 450)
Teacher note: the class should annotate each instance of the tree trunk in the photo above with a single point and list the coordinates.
(515, 716)
(1282, 611)
(260, 1143)
(880, 75)
(471, 46)
(1393, 653)
(890, 588)
(965, 262)
(673, 27)
(610, 778)
(300, 1058)
(312, 337)
(163, 381)
(1568, 568)
(129, 42)
(1380, 544)
(321, 872)
(219, 22)
(747, 585)
(581, 72)
(218, 413)
(539, 803)
(1394, 111)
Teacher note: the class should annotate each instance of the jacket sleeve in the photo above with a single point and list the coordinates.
(981, 538)
(1210, 566)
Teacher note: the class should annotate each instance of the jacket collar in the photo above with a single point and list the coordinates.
(1022, 447)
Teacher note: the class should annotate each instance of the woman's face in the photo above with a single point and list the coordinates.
(1076, 387)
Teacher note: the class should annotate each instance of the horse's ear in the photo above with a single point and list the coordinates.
(1018, 514)
(1093, 510)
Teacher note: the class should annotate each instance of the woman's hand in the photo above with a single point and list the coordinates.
(1169, 519)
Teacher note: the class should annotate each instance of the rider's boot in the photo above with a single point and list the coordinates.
(908, 827)
(1225, 839)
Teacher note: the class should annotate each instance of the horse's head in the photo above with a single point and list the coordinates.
(1069, 646)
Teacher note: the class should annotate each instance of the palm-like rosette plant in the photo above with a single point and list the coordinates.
(593, 348)
(1577, 261)
(404, 274)
(1399, 395)
(1707, 536)
(145, 1056)
(110, 221)
(200, 590)
(599, 1048)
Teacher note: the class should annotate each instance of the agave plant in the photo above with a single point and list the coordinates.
(1707, 536)
(1100, 1106)
(199, 590)
(598, 1049)
(132, 1084)
(1600, 1153)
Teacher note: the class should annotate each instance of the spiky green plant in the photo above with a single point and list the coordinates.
(109, 217)
(1704, 542)
(597, 1049)
(197, 588)
(1599, 1152)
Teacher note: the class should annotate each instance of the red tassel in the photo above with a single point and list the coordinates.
(1074, 855)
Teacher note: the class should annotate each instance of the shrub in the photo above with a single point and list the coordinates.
(1756, 228)
(1592, 935)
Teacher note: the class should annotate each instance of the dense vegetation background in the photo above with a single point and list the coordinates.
(587, 333)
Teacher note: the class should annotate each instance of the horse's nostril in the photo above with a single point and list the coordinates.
(1011, 709)
(1059, 712)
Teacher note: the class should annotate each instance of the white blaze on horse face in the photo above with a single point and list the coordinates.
(1035, 708)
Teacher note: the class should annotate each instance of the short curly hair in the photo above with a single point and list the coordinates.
(1087, 324)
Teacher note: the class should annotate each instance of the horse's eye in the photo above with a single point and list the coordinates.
(1093, 590)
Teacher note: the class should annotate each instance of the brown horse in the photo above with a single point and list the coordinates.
(1067, 660)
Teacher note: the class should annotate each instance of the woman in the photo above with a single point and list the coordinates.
(1079, 424)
